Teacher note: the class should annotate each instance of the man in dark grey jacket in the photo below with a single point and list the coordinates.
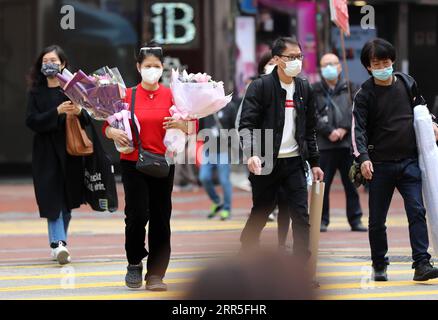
(333, 96)
(282, 104)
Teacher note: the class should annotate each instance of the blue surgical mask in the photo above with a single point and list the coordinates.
(383, 74)
(50, 69)
(330, 72)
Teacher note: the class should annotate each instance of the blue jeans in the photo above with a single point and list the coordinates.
(406, 177)
(206, 177)
(58, 228)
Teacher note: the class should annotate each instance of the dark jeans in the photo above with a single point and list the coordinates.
(148, 200)
(331, 161)
(406, 177)
(289, 175)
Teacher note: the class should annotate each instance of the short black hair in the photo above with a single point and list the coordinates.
(280, 44)
(147, 53)
(377, 49)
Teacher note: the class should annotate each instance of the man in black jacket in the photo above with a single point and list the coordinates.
(333, 108)
(280, 104)
(384, 143)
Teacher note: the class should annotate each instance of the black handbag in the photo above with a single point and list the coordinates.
(151, 164)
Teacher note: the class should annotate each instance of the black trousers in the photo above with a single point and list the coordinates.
(283, 219)
(289, 175)
(148, 200)
(331, 161)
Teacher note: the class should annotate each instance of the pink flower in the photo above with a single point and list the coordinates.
(201, 78)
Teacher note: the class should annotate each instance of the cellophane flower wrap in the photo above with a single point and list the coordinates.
(102, 94)
(195, 96)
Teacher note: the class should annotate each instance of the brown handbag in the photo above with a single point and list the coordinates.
(78, 143)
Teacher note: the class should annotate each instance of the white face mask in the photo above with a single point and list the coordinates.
(293, 68)
(269, 68)
(151, 75)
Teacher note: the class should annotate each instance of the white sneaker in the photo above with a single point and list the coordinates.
(53, 255)
(62, 255)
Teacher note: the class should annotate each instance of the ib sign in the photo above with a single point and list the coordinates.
(174, 23)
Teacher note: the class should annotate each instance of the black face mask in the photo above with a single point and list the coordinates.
(50, 69)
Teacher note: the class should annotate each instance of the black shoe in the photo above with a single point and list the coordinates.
(379, 272)
(155, 283)
(134, 276)
(323, 227)
(425, 271)
(359, 227)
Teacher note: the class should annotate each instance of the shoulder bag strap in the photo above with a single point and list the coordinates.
(134, 124)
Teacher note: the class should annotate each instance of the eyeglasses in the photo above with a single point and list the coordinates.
(292, 58)
(154, 50)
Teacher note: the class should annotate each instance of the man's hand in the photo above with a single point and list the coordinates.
(334, 136)
(367, 170)
(342, 133)
(318, 174)
(255, 165)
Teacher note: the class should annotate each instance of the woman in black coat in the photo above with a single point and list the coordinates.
(58, 177)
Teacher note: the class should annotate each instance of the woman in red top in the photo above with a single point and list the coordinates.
(148, 199)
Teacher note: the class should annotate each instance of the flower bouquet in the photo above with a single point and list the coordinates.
(195, 96)
(102, 95)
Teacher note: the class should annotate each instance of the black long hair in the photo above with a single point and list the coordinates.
(36, 78)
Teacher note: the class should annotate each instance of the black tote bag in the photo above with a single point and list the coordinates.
(100, 184)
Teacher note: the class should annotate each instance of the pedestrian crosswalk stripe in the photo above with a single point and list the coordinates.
(374, 285)
(88, 274)
(119, 284)
(377, 295)
(141, 295)
(77, 286)
(358, 273)
(90, 264)
(112, 263)
(355, 264)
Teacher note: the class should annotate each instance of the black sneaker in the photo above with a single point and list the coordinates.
(425, 271)
(359, 227)
(155, 283)
(134, 276)
(379, 272)
(323, 227)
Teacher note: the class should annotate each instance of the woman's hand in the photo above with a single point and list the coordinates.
(170, 123)
(66, 107)
(77, 109)
(435, 129)
(119, 136)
